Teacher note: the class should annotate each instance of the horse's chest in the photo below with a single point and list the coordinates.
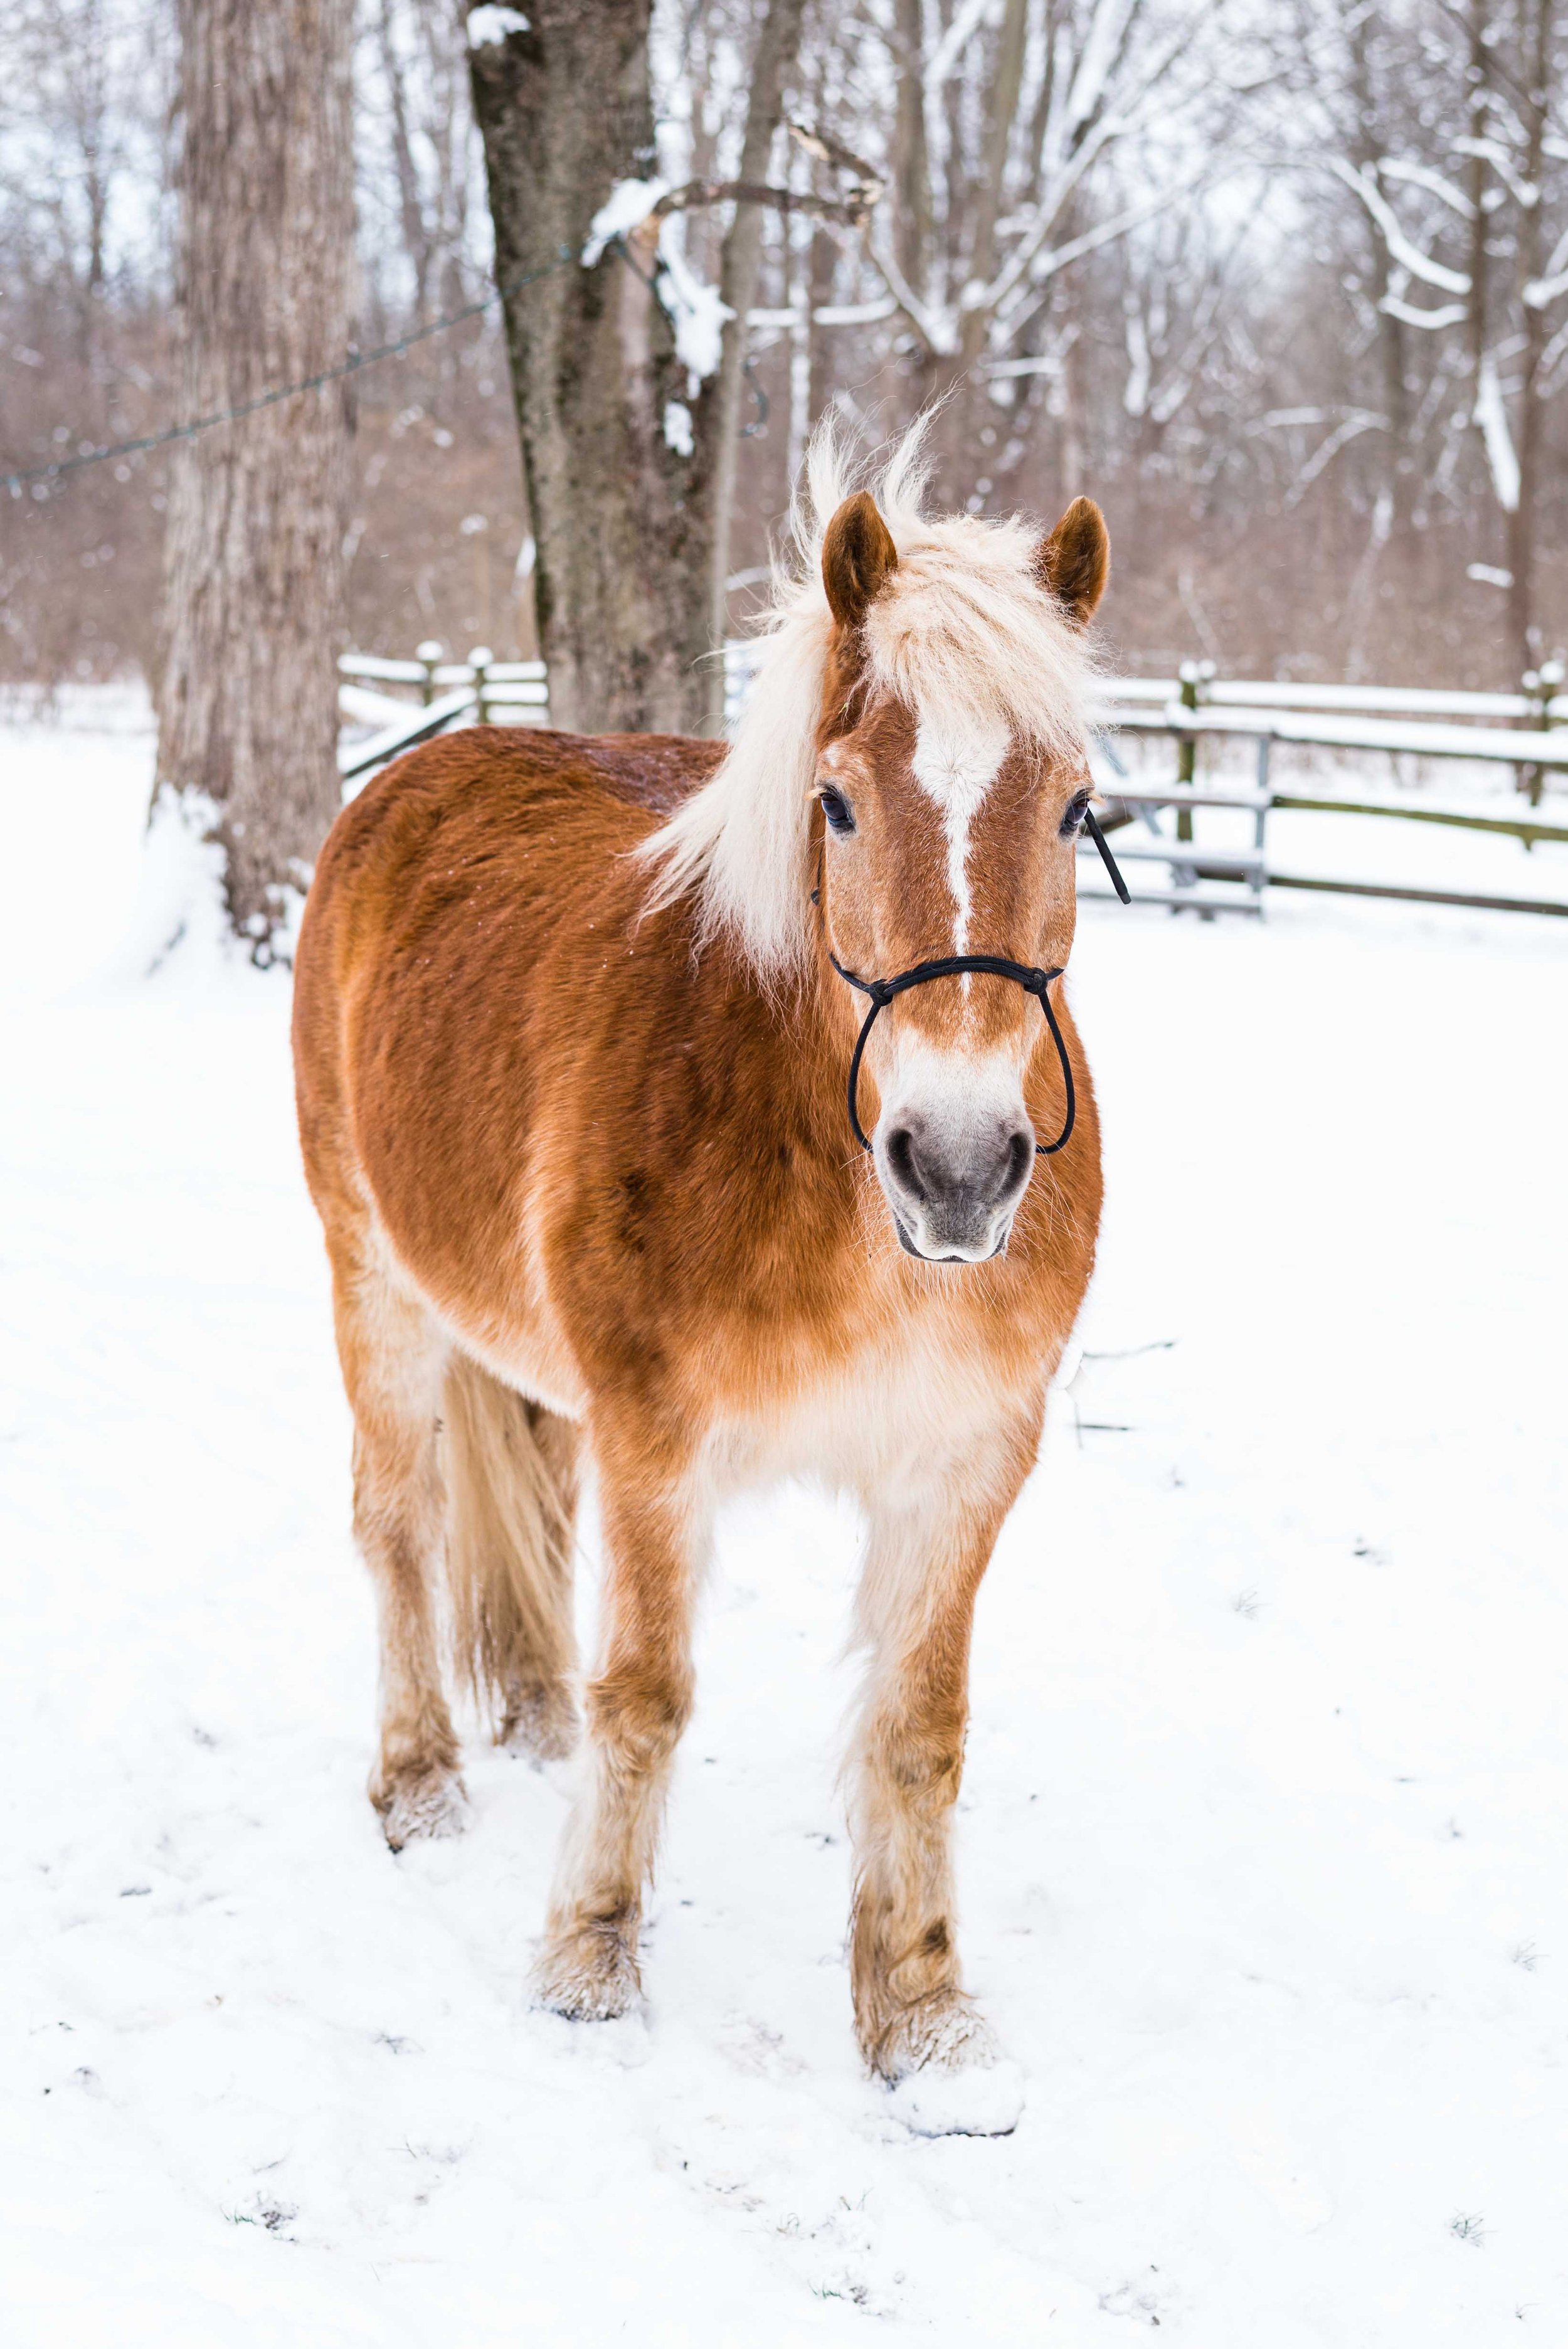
(902, 1412)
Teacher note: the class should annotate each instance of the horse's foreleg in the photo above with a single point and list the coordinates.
(637, 1705)
(393, 1359)
(927, 1555)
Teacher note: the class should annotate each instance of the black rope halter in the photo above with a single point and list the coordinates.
(1033, 982)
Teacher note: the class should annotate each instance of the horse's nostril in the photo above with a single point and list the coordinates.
(1020, 1159)
(902, 1160)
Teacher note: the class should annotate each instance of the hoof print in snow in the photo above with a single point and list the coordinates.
(424, 1810)
(620, 2043)
(978, 2100)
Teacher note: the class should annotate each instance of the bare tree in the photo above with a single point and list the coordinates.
(718, 415)
(417, 94)
(247, 700)
(1457, 192)
(565, 105)
(1006, 117)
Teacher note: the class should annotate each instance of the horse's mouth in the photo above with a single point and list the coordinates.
(908, 1246)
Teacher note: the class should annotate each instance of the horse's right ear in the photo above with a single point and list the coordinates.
(858, 556)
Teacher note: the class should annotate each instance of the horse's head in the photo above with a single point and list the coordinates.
(950, 791)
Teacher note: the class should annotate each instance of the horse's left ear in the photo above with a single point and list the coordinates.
(1074, 564)
(858, 556)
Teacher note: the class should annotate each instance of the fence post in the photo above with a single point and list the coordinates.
(479, 660)
(428, 655)
(1265, 794)
(1194, 676)
(1541, 688)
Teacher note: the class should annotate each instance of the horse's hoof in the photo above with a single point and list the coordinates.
(541, 1723)
(942, 2032)
(422, 1806)
(946, 2074)
(974, 2100)
(590, 1975)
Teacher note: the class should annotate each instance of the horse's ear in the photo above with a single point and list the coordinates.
(858, 556)
(1074, 564)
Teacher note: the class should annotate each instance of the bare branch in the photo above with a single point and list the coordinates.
(850, 211)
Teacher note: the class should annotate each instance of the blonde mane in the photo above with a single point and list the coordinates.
(964, 627)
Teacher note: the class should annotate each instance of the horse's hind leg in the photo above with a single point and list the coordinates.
(929, 1550)
(394, 1360)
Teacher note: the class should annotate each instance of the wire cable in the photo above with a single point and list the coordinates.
(16, 482)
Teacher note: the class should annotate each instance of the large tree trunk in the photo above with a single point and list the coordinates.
(564, 103)
(630, 460)
(254, 568)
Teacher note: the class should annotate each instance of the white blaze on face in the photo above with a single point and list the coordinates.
(956, 761)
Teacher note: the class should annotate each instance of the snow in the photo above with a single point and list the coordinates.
(488, 26)
(1097, 62)
(1429, 322)
(699, 315)
(695, 308)
(1260, 1841)
(626, 207)
(1421, 175)
(679, 434)
(1491, 415)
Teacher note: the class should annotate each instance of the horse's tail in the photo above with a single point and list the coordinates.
(512, 1494)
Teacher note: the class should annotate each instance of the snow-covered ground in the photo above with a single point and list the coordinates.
(1262, 1844)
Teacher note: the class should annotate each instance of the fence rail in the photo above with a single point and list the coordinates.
(1373, 700)
(1194, 708)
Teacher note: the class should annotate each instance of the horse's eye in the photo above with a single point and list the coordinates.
(838, 811)
(1076, 809)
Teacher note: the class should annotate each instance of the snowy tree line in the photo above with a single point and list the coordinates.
(1286, 286)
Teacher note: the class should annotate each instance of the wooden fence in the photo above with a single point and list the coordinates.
(407, 701)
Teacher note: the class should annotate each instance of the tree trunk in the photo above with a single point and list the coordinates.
(565, 110)
(1537, 61)
(720, 417)
(253, 597)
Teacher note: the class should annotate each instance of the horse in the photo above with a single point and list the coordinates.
(574, 1020)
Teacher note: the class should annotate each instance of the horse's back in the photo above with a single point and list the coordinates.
(486, 793)
(445, 888)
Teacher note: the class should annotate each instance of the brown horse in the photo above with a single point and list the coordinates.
(571, 1036)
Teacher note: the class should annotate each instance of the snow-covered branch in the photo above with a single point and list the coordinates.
(966, 22)
(1400, 249)
(1492, 416)
(1487, 150)
(1420, 175)
(1359, 421)
(1447, 314)
(1552, 281)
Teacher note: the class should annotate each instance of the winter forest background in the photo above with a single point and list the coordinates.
(1282, 284)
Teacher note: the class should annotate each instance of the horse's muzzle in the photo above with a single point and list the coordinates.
(954, 1194)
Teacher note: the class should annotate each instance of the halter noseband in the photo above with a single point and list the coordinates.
(1033, 982)
(882, 990)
